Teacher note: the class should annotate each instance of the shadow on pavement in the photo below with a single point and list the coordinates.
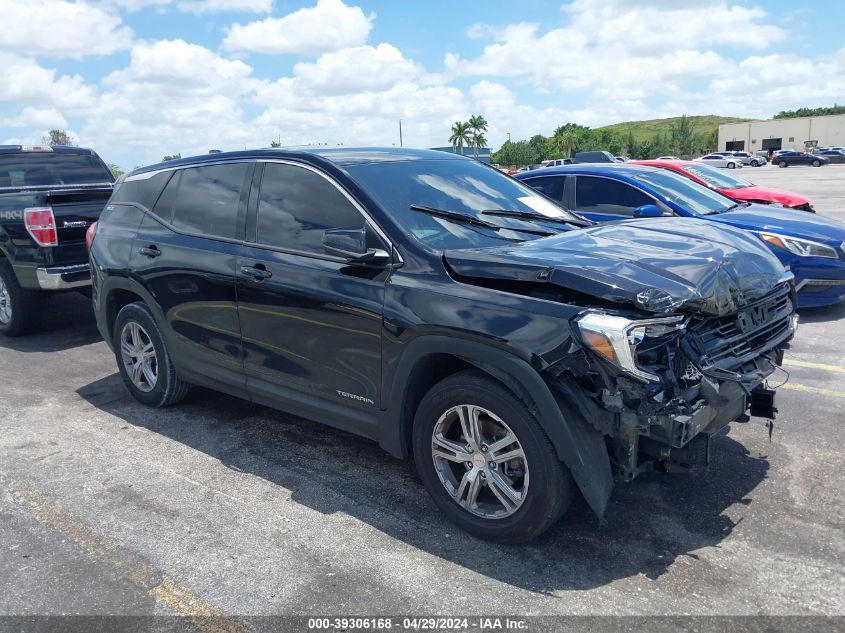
(821, 315)
(67, 322)
(651, 522)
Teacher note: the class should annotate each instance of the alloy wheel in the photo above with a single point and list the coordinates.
(139, 356)
(480, 461)
(5, 303)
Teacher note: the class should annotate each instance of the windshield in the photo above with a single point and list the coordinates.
(716, 178)
(461, 186)
(686, 193)
(38, 169)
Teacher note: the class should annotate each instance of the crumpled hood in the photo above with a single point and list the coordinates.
(759, 217)
(660, 265)
(781, 196)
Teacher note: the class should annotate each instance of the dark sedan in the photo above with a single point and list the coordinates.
(787, 159)
(833, 155)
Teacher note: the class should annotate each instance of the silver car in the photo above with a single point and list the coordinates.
(717, 160)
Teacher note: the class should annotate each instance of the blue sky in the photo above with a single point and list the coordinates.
(136, 79)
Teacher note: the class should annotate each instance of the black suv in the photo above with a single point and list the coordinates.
(446, 311)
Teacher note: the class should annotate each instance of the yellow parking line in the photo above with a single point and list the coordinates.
(835, 393)
(804, 363)
(180, 600)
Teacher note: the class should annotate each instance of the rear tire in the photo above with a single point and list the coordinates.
(481, 482)
(783, 163)
(20, 308)
(143, 360)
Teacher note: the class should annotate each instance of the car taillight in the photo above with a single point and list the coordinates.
(89, 235)
(41, 225)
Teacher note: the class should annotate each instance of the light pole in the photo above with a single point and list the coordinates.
(509, 137)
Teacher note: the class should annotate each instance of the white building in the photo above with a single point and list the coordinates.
(773, 134)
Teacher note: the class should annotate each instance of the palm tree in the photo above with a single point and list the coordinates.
(460, 136)
(565, 135)
(478, 124)
(478, 140)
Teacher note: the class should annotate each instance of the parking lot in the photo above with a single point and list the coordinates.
(219, 506)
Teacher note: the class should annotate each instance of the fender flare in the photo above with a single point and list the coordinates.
(112, 283)
(578, 445)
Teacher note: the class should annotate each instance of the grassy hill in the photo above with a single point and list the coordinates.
(645, 130)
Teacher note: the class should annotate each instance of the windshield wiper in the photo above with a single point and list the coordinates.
(537, 217)
(462, 218)
(735, 205)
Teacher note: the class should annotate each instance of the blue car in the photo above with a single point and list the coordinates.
(813, 247)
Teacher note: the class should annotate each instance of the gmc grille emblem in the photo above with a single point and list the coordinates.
(751, 318)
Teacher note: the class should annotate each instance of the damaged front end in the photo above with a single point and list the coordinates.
(658, 389)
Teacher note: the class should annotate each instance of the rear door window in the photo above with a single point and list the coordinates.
(207, 199)
(603, 195)
(551, 186)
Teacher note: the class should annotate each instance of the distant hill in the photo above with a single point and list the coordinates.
(645, 130)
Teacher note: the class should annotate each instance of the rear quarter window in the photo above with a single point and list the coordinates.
(141, 192)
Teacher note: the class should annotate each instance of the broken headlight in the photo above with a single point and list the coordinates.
(616, 338)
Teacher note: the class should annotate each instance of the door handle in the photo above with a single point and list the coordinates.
(259, 274)
(150, 251)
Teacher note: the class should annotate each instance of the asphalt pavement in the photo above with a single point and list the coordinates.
(219, 506)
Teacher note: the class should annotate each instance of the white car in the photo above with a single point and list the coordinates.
(716, 160)
(667, 158)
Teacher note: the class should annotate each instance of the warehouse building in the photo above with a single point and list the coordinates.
(799, 134)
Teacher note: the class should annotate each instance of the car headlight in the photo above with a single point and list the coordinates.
(615, 338)
(805, 248)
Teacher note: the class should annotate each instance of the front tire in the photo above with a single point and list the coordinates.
(20, 308)
(755, 163)
(782, 164)
(486, 461)
(731, 165)
(817, 163)
(143, 360)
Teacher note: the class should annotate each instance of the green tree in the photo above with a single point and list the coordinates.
(478, 141)
(477, 125)
(800, 112)
(168, 157)
(683, 137)
(461, 135)
(115, 169)
(57, 137)
(630, 145)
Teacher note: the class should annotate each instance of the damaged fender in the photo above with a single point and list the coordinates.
(580, 446)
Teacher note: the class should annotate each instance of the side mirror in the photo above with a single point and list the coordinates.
(648, 211)
(351, 244)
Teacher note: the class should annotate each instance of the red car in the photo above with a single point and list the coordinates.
(730, 185)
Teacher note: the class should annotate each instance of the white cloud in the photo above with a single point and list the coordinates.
(359, 69)
(329, 26)
(31, 117)
(198, 7)
(61, 29)
(217, 6)
(25, 82)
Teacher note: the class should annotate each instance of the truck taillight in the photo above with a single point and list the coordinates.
(89, 235)
(41, 225)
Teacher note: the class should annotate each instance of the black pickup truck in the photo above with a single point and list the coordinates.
(49, 196)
